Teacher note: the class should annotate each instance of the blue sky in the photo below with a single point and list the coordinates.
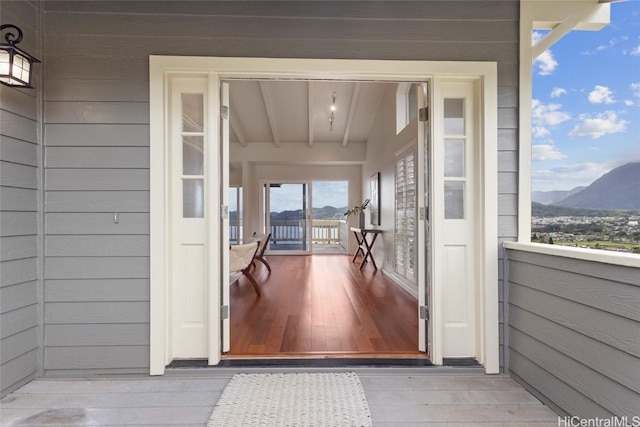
(586, 103)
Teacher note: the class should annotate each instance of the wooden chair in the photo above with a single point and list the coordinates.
(240, 260)
(264, 241)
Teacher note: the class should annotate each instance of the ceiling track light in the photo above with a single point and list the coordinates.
(332, 116)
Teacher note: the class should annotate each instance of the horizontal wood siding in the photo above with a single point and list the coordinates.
(574, 333)
(97, 133)
(19, 213)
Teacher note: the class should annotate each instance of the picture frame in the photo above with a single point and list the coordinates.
(374, 205)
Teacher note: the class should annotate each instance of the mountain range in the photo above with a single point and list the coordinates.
(552, 197)
(617, 189)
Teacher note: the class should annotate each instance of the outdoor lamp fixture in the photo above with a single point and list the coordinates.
(333, 112)
(15, 64)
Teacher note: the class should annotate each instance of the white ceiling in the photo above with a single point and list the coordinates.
(287, 111)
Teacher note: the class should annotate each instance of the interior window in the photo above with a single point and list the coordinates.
(405, 227)
(406, 105)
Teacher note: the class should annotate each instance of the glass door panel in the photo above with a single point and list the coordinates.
(288, 219)
(235, 215)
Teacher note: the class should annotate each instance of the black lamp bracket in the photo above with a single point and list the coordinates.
(10, 38)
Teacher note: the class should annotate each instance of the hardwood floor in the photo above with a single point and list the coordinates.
(322, 305)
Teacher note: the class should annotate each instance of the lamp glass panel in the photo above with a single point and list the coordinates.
(5, 59)
(20, 69)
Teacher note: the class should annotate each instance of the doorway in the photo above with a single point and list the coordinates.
(161, 75)
(287, 217)
(306, 217)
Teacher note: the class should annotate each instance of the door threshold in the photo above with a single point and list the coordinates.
(327, 355)
(326, 361)
(312, 360)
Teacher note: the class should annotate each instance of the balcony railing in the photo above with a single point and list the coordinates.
(323, 231)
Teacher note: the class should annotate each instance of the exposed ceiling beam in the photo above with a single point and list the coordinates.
(271, 112)
(311, 97)
(352, 110)
(237, 128)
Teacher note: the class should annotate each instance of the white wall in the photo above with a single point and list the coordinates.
(382, 146)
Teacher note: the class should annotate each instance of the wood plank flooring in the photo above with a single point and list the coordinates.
(322, 305)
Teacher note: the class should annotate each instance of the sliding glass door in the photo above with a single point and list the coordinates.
(287, 216)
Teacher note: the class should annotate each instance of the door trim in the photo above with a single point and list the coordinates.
(160, 70)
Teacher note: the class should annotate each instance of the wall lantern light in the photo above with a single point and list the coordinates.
(15, 64)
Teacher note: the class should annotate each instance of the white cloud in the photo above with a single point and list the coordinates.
(601, 95)
(545, 116)
(545, 63)
(629, 102)
(611, 43)
(546, 152)
(635, 51)
(540, 131)
(602, 124)
(536, 36)
(635, 88)
(569, 176)
(557, 91)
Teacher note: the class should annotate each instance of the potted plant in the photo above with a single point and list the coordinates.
(358, 210)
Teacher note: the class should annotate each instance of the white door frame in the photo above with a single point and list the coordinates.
(161, 69)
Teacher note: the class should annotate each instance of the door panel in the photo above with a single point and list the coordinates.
(224, 139)
(424, 253)
(189, 290)
(457, 212)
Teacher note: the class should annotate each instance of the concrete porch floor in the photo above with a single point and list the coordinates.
(185, 397)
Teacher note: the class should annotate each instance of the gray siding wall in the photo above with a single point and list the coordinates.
(19, 217)
(574, 333)
(97, 133)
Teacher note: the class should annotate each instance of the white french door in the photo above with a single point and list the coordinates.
(457, 224)
(224, 226)
(189, 290)
(456, 213)
(424, 253)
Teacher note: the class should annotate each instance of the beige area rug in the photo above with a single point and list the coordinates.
(297, 399)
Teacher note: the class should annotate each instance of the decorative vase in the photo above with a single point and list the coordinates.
(361, 219)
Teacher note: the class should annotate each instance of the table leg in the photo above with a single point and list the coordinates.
(359, 247)
(369, 246)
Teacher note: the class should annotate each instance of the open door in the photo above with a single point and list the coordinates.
(224, 185)
(424, 253)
